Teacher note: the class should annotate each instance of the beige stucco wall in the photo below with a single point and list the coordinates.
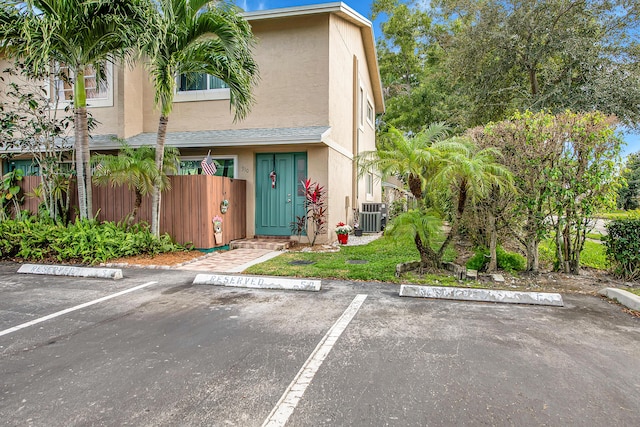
(132, 111)
(348, 73)
(292, 55)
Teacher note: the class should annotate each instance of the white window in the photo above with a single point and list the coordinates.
(226, 165)
(200, 87)
(199, 81)
(370, 115)
(98, 95)
(368, 183)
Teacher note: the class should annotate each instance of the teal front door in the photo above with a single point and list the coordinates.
(279, 199)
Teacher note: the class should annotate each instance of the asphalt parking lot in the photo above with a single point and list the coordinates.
(171, 353)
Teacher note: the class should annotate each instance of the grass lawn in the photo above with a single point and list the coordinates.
(633, 291)
(381, 257)
(619, 214)
(593, 255)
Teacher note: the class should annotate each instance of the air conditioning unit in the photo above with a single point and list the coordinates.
(370, 222)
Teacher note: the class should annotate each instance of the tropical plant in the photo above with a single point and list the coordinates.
(10, 193)
(424, 228)
(71, 37)
(410, 158)
(466, 173)
(315, 206)
(136, 168)
(192, 37)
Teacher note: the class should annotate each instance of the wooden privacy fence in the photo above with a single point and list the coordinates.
(187, 211)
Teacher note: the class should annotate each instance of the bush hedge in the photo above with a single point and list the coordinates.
(508, 261)
(623, 248)
(85, 241)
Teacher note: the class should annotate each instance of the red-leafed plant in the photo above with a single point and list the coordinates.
(314, 221)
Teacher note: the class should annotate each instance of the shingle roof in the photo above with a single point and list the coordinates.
(222, 138)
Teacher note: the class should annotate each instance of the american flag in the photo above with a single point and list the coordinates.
(209, 165)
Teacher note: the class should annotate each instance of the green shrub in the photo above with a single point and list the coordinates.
(86, 241)
(623, 248)
(508, 261)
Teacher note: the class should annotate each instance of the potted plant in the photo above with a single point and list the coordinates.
(343, 230)
(217, 229)
(357, 231)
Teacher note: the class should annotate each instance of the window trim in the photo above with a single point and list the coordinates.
(360, 102)
(370, 119)
(234, 157)
(368, 184)
(200, 95)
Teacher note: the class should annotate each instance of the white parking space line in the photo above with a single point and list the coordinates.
(292, 395)
(77, 307)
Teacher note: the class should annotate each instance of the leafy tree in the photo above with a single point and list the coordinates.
(29, 122)
(416, 82)
(78, 34)
(629, 192)
(530, 144)
(198, 36)
(583, 182)
(551, 55)
(135, 168)
(564, 170)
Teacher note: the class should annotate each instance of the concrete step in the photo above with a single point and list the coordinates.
(261, 243)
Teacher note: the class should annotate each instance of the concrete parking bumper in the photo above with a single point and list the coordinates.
(482, 295)
(625, 298)
(66, 270)
(257, 282)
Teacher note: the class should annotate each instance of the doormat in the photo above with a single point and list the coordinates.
(217, 248)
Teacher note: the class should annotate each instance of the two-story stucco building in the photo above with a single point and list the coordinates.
(315, 110)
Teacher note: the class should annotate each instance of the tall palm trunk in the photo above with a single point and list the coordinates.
(156, 199)
(415, 186)
(81, 135)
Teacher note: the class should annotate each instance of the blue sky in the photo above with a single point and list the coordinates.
(364, 8)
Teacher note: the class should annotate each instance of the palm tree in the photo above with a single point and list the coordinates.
(135, 167)
(410, 158)
(466, 172)
(198, 36)
(80, 35)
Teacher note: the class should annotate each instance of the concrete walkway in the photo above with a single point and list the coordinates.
(234, 261)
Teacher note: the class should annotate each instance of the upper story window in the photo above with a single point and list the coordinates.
(98, 95)
(199, 81)
(370, 115)
(200, 87)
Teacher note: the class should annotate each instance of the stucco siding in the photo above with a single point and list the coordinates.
(292, 55)
(349, 74)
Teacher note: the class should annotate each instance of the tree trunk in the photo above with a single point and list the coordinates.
(81, 134)
(462, 202)
(82, 193)
(493, 243)
(531, 246)
(415, 186)
(156, 198)
(136, 206)
(429, 259)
